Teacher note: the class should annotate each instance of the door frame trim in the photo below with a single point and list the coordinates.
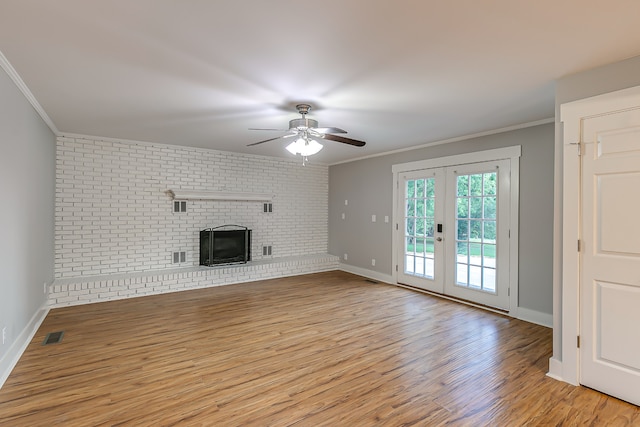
(571, 116)
(511, 153)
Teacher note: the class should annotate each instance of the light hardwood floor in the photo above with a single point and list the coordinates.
(326, 349)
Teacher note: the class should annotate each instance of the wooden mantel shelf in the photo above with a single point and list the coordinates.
(218, 195)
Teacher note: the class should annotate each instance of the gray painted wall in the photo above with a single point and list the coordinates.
(367, 185)
(605, 79)
(27, 174)
(597, 81)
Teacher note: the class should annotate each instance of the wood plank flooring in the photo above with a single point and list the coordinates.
(326, 349)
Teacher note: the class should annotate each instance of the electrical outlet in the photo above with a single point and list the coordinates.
(373, 262)
(386, 218)
(4, 335)
(44, 288)
(343, 215)
(346, 257)
(373, 218)
(346, 202)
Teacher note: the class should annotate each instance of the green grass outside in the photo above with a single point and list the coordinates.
(490, 251)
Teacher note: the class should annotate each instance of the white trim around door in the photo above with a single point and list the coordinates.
(572, 115)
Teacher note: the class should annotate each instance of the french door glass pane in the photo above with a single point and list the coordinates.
(489, 234)
(463, 185)
(489, 255)
(489, 279)
(463, 229)
(475, 249)
(475, 185)
(419, 188)
(476, 231)
(463, 207)
(411, 226)
(461, 274)
(430, 207)
(419, 269)
(420, 220)
(409, 264)
(475, 276)
(489, 207)
(475, 209)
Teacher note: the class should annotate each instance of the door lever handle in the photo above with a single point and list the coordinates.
(439, 239)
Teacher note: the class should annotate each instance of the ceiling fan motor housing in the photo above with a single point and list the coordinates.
(303, 123)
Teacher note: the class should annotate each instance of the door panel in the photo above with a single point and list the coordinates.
(615, 347)
(619, 231)
(610, 265)
(478, 241)
(421, 256)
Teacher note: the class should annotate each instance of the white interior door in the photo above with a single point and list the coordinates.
(455, 231)
(422, 249)
(610, 265)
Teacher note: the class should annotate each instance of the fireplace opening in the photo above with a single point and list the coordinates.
(226, 244)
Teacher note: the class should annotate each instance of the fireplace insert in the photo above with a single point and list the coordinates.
(227, 244)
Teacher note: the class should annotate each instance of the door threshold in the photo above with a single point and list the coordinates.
(454, 299)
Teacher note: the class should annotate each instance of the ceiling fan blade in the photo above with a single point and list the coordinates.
(279, 130)
(271, 139)
(266, 140)
(329, 130)
(343, 140)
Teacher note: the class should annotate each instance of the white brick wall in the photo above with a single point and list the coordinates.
(113, 216)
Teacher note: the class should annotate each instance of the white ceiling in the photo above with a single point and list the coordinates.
(393, 73)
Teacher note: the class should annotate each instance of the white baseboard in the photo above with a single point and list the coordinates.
(367, 273)
(533, 316)
(555, 369)
(10, 360)
(528, 315)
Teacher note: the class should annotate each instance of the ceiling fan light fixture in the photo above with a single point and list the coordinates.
(304, 147)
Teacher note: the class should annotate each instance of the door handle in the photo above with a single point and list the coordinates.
(439, 239)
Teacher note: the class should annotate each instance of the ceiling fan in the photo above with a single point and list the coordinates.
(308, 133)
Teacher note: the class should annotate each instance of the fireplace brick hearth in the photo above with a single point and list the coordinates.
(85, 290)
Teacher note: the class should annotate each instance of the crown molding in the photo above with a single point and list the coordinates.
(455, 139)
(17, 80)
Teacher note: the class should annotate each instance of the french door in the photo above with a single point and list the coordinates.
(422, 251)
(455, 234)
